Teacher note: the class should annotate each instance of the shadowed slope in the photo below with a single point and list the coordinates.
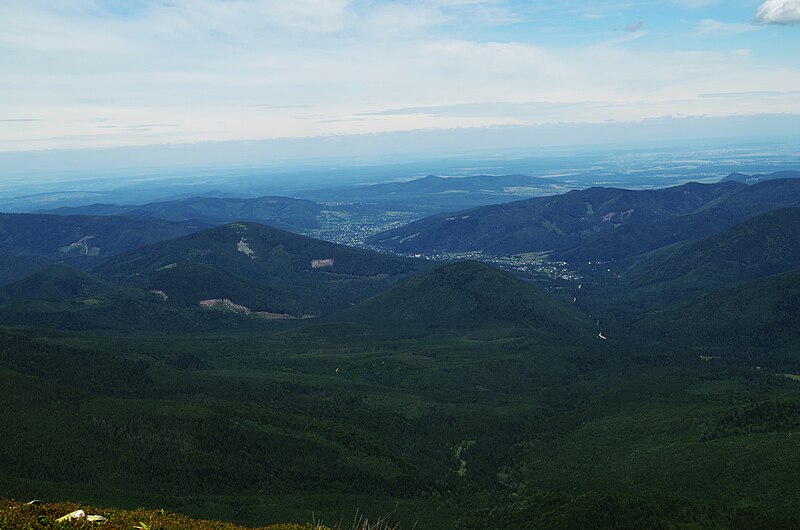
(469, 295)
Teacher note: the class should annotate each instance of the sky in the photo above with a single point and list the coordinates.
(93, 74)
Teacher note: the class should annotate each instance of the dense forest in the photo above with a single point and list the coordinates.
(325, 381)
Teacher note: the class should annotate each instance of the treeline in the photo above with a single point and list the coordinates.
(567, 511)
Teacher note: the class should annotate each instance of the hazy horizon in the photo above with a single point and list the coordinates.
(99, 84)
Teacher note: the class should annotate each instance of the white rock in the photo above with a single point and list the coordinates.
(74, 516)
(96, 519)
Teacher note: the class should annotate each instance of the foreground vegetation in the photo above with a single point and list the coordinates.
(445, 432)
(45, 516)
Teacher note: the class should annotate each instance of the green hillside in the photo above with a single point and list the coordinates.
(597, 224)
(457, 397)
(13, 268)
(187, 284)
(469, 296)
(756, 317)
(125, 310)
(54, 282)
(319, 276)
(553, 223)
(765, 245)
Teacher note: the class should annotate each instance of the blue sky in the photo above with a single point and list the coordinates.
(77, 74)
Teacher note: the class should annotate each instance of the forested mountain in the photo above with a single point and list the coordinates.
(758, 317)
(54, 282)
(762, 246)
(316, 275)
(188, 284)
(13, 268)
(595, 224)
(81, 240)
(282, 212)
(469, 296)
(253, 374)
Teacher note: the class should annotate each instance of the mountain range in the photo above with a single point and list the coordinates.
(434, 193)
(596, 224)
(247, 372)
(761, 177)
(296, 215)
(81, 237)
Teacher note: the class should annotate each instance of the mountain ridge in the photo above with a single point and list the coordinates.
(595, 224)
(282, 212)
(309, 274)
(468, 295)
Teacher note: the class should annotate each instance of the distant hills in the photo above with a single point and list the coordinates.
(78, 238)
(755, 179)
(283, 212)
(435, 193)
(717, 215)
(421, 196)
(196, 281)
(469, 295)
(28, 242)
(247, 372)
(597, 224)
(668, 245)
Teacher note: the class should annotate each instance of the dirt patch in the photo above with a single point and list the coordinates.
(322, 263)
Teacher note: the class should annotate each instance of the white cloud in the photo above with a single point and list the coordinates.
(711, 26)
(250, 69)
(779, 12)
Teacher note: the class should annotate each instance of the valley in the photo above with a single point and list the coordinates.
(241, 371)
(399, 265)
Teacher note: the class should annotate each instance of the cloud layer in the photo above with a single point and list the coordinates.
(779, 12)
(95, 73)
